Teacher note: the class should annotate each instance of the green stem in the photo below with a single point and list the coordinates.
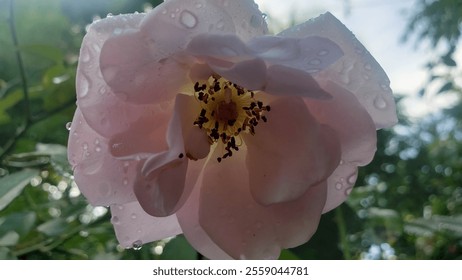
(343, 233)
(22, 72)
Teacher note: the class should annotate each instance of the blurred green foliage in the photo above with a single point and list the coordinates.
(408, 203)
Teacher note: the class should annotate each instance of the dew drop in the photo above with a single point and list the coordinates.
(85, 55)
(109, 15)
(117, 31)
(338, 186)
(199, 5)
(380, 103)
(83, 87)
(323, 53)
(125, 181)
(137, 245)
(220, 25)
(115, 220)
(312, 71)
(368, 67)
(348, 191)
(172, 15)
(315, 62)
(164, 12)
(97, 149)
(120, 207)
(352, 179)
(85, 146)
(133, 216)
(366, 77)
(102, 90)
(188, 19)
(68, 125)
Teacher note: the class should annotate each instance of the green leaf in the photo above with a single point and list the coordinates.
(12, 185)
(53, 227)
(288, 255)
(5, 254)
(22, 223)
(6, 103)
(11, 238)
(449, 61)
(46, 51)
(448, 86)
(178, 249)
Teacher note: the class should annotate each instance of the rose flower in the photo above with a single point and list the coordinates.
(192, 119)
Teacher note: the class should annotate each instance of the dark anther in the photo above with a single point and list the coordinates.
(268, 108)
(181, 155)
(264, 118)
(219, 159)
(231, 122)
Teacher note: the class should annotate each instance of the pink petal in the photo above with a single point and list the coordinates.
(340, 184)
(300, 53)
(357, 70)
(101, 178)
(242, 227)
(289, 153)
(352, 123)
(188, 217)
(134, 227)
(286, 81)
(250, 74)
(161, 188)
(106, 113)
(137, 72)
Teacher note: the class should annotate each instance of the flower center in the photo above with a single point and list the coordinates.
(227, 111)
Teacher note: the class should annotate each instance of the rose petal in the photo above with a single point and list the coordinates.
(134, 227)
(227, 210)
(289, 153)
(357, 70)
(161, 188)
(340, 184)
(286, 81)
(353, 125)
(139, 73)
(301, 53)
(102, 179)
(188, 217)
(106, 113)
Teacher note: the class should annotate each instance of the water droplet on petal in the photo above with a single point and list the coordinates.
(188, 19)
(117, 31)
(97, 149)
(68, 125)
(137, 245)
(83, 87)
(348, 191)
(368, 67)
(85, 146)
(115, 220)
(323, 53)
(312, 71)
(315, 62)
(380, 103)
(172, 15)
(199, 5)
(85, 55)
(133, 216)
(120, 207)
(110, 15)
(338, 186)
(220, 25)
(164, 12)
(125, 181)
(352, 178)
(366, 77)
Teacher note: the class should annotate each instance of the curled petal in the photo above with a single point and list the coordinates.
(290, 153)
(227, 209)
(353, 125)
(134, 227)
(339, 185)
(357, 70)
(286, 81)
(311, 54)
(161, 188)
(102, 178)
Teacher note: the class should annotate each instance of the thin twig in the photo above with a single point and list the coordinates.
(342, 233)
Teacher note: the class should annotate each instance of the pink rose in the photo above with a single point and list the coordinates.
(191, 119)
